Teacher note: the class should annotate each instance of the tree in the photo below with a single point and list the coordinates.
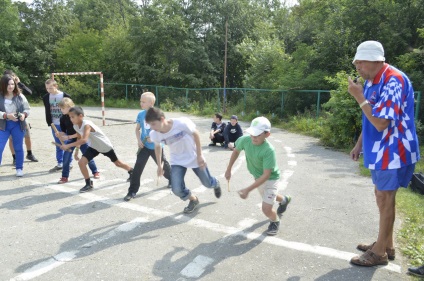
(10, 25)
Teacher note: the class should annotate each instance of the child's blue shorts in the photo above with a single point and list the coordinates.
(392, 179)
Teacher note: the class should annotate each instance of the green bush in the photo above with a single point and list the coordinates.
(344, 115)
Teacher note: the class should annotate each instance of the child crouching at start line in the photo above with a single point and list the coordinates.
(97, 141)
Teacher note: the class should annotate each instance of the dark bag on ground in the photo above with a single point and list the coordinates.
(417, 183)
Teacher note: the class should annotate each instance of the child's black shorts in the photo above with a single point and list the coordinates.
(90, 153)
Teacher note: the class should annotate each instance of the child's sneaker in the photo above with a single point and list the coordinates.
(130, 172)
(31, 158)
(87, 187)
(56, 168)
(129, 196)
(63, 180)
(217, 189)
(19, 173)
(191, 206)
(96, 175)
(273, 228)
(283, 205)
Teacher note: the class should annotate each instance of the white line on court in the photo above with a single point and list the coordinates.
(292, 163)
(159, 195)
(219, 228)
(289, 152)
(196, 267)
(61, 258)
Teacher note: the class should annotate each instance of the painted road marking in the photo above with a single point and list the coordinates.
(159, 195)
(220, 228)
(247, 222)
(289, 152)
(64, 257)
(292, 163)
(196, 267)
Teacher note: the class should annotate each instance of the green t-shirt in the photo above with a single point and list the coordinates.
(259, 157)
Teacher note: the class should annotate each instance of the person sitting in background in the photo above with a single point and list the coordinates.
(232, 132)
(217, 130)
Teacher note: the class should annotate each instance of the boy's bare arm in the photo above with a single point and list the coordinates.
(137, 135)
(200, 159)
(82, 140)
(233, 159)
(265, 176)
(158, 154)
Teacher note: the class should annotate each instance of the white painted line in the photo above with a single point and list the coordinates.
(64, 257)
(219, 228)
(287, 174)
(45, 266)
(247, 222)
(80, 204)
(288, 152)
(292, 163)
(110, 187)
(159, 195)
(278, 141)
(146, 181)
(196, 267)
(284, 181)
(81, 182)
(126, 227)
(200, 189)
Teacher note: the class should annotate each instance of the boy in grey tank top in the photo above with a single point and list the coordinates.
(98, 142)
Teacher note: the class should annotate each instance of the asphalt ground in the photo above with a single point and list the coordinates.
(50, 231)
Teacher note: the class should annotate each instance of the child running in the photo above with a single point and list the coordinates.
(97, 141)
(181, 136)
(69, 135)
(262, 164)
(146, 148)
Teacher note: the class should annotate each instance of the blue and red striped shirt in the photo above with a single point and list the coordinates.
(392, 97)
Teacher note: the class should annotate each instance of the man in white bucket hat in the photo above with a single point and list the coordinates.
(388, 140)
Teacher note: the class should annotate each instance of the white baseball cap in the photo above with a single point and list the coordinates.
(258, 126)
(369, 51)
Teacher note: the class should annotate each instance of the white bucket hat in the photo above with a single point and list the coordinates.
(369, 51)
(258, 126)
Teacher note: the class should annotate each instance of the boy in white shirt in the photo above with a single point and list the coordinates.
(98, 142)
(181, 136)
(53, 113)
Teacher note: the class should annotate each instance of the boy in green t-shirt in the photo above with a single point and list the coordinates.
(262, 164)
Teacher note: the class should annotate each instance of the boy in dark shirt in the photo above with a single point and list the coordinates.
(232, 132)
(217, 130)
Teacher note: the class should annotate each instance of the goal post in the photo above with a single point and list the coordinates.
(102, 91)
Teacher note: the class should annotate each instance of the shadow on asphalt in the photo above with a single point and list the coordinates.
(224, 248)
(89, 243)
(349, 274)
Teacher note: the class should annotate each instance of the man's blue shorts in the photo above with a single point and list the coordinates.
(386, 180)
